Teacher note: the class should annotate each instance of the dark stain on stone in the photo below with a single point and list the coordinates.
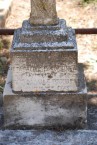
(50, 76)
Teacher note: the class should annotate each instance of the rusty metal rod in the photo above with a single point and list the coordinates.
(86, 31)
(7, 31)
(81, 31)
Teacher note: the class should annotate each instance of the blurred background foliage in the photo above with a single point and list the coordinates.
(4, 60)
(88, 1)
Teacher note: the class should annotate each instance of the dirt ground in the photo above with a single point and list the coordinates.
(76, 15)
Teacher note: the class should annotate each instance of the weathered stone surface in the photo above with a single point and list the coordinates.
(23, 38)
(92, 112)
(43, 12)
(44, 66)
(26, 25)
(45, 71)
(46, 89)
(10, 137)
(56, 33)
(45, 109)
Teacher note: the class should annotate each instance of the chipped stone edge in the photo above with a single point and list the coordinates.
(68, 45)
(26, 25)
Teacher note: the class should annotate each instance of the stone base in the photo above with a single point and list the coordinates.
(38, 137)
(39, 34)
(45, 110)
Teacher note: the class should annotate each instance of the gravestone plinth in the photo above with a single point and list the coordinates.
(44, 59)
(46, 109)
(45, 85)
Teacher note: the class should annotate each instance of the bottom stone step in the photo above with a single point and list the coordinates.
(45, 109)
(36, 137)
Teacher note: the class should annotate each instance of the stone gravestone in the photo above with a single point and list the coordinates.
(45, 85)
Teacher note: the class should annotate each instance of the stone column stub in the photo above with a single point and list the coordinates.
(43, 12)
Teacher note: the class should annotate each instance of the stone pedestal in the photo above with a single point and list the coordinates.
(46, 87)
(46, 110)
(44, 59)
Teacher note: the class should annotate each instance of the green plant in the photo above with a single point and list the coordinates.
(1, 44)
(6, 43)
(92, 85)
(88, 1)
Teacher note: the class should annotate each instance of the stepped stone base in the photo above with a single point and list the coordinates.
(41, 110)
(56, 33)
(44, 58)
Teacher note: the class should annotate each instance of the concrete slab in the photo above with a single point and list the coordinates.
(38, 137)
